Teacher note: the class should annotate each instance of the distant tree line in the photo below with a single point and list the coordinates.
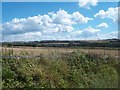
(53, 43)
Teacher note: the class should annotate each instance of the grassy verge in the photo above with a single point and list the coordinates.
(68, 70)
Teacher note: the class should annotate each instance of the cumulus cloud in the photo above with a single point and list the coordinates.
(86, 33)
(53, 22)
(61, 17)
(102, 25)
(111, 13)
(110, 35)
(23, 37)
(92, 34)
(79, 18)
(0, 26)
(87, 3)
(20, 26)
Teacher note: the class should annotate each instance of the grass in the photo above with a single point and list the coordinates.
(75, 69)
(48, 50)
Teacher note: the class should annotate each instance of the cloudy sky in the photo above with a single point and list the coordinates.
(88, 20)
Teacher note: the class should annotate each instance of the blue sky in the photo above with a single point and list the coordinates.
(77, 22)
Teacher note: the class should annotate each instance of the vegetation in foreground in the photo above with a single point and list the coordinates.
(68, 70)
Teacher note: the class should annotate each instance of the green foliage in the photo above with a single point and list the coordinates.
(70, 70)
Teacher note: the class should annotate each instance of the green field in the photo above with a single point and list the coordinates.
(59, 68)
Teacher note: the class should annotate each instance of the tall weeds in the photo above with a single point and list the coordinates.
(57, 70)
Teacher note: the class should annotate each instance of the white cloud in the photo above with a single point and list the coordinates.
(23, 37)
(92, 30)
(87, 3)
(0, 26)
(49, 23)
(110, 35)
(102, 25)
(20, 26)
(79, 18)
(111, 13)
(92, 34)
(85, 33)
(61, 17)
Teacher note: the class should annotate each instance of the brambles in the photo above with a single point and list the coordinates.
(60, 70)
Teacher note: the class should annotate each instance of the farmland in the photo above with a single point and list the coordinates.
(59, 67)
(47, 50)
(62, 64)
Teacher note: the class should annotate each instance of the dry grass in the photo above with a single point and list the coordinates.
(48, 50)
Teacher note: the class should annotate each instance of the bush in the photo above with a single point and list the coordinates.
(69, 70)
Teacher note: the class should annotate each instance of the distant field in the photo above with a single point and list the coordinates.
(47, 50)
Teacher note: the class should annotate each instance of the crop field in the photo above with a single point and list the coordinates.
(47, 67)
(47, 50)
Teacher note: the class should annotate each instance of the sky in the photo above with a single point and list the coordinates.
(35, 21)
